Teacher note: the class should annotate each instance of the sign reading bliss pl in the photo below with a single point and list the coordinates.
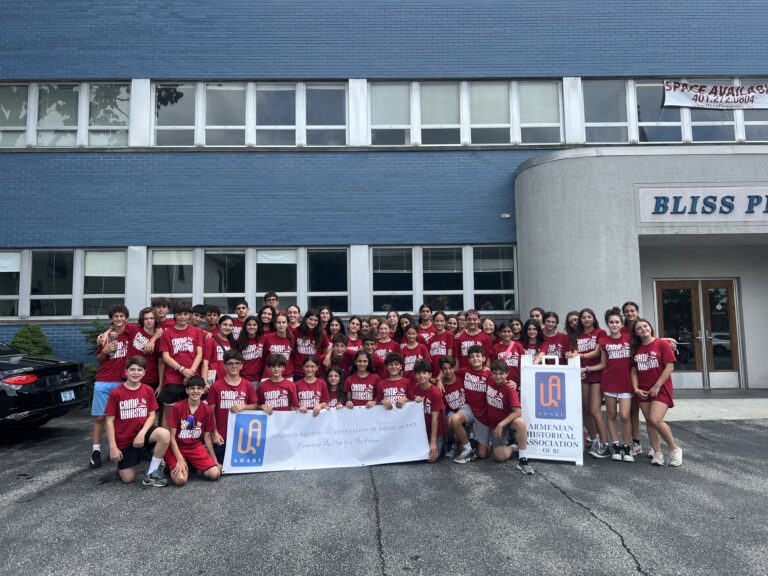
(704, 205)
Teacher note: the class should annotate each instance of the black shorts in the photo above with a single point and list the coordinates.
(133, 456)
(172, 393)
(219, 451)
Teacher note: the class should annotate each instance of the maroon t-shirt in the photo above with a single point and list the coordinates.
(253, 359)
(223, 396)
(439, 346)
(411, 356)
(311, 394)
(618, 362)
(392, 390)
(113, 367)
(345, 362)
(131, 408)
(501, 400)
(182, 345)
(510, 355)
(556, 345)
(454, 396)
(305, 346)
(213, 351)
(138, 339)
(432, 400)
(354, 346)
(190, 428)
(649, 359)
(586, 343)
(275, 344)
(463, 342)
(426, 334)
(360, 390)
(474, 391)
(281, 396)
(238, 327)
(384, 348)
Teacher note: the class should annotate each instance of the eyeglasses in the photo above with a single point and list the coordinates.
(233, 363)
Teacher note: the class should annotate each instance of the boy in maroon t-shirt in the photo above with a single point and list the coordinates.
(161, 306)
(453, 398)
(473, 412)
(369, 345)
(131, 430)
(504, 411)
(277, 392)
(393, 390)
(191, 424)
(424, 391)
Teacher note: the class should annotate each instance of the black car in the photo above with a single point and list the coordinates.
(34, 390)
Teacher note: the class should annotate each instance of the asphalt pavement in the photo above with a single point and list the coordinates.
(707, 517)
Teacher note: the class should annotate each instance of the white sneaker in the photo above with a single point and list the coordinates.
(658, 459)
(676, 457)
(451, 453)
(650, 452)
(637, 450)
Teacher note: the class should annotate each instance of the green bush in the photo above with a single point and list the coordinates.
(31, 340)
(92, 332)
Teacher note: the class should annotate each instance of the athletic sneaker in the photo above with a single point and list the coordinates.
(658, 459)
(676, 457)
(95, 459)
(451, 453)
(636, 448)
(650, 452)
(616, 453)
(524, 467)
(467, 455)
(156, 479)
(627, 456)
(603, 451)
(588, 444)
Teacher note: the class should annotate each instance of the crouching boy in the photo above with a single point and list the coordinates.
(191, 424)
(504, 411)
(131, 430)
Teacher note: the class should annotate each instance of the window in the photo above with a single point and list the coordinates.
(605, 110)
(326, 114)
(494, 277)
(225, 114)
(540, 112)
(10, 271)
(327, 279)
(656, 123)
(443, 278)
(275, 115)
(489, 112)
(13, 116)
(390, 114)
(172, 273)
(712, 125)
(175, 115)
(276, 272)
(57, 114)
(224, 278)
(51, 286)
(755, 121)
(440, 118)
(108, 114)
(392, 279)
(104, 281)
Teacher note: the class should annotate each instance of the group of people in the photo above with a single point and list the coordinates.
(198, 367)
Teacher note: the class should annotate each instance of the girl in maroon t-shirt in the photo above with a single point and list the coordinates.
(280, 342)
(413, 349)
(353, 334)
(426, 325)
(266, 316)
(360, 387)
(555, 343)
(533, 340)
(510, 351)
(214, 349)
(334, 377)
(251, 346)
(441, 343)
(294, 318)
(517, 328)
(140, 344)
(653, 362)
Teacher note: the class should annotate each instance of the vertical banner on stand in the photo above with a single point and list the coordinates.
(551, 399)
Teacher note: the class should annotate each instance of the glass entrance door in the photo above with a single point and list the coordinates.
(701, 316)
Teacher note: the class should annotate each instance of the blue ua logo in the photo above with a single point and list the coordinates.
(550, 395)
(250, 439)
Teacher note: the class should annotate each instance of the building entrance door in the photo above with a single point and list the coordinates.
(701, 316)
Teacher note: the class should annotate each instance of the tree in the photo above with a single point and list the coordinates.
(31, 340)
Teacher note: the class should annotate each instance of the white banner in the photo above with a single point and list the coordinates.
(551, 399)
(718, 96)
(334, 439)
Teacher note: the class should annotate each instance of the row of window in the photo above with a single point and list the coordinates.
(392, 114)
(84, 283)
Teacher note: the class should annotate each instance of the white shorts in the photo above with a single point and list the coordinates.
(620, 395)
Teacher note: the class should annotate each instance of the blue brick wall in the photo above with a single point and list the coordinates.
(72, 199)
(67, 341)
(384, 39)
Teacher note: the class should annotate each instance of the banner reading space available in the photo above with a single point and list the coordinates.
(334, 439)
(717, 96)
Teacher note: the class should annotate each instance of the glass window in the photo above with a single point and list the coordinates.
(755, 121)
(175, 115)
(540, 112)
(51, 283)
(109, 111)
(172, 272)
(326, 115)
(655, 122)
(104, 281)
(440, 122)
(605, 110)
(224, 278)
(57, 114)
(443, 277)
(327, 279)
(225, 114)
(13, 116)
(10, 271)
(489, 112)
(392, 279)
(390, 114)
(276, 272)
(494, 278)
(712, 125)
(276, 115)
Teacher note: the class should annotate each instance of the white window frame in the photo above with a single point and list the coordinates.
(99, 128)
(512, 291)
(232, 127)
(309, 294)
(608, 124)
(17, 297)
(560, 124)
(21, 127)
(80, 127)
(374, 293)
(426, 294)
(472, 125)
(204, 294)
(83, 296)
(252, 101)
(74, 296)
(293, 295)
(682, 124)
(741, 121)
(197, 265)
(197, 130)
(307, 127)
(406, 127)
(694, 123)
(462, 116)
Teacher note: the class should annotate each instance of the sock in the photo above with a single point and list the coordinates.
(636, 440)
(154, 464)
(522, 455)
(97, 447)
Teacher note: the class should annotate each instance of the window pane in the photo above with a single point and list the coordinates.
(9, 307)
(489, 102)
(660, 133)
(99, 306)
(327, 270)
(392, 269)
(61, 138)
(225, 105)
(326, 137)
(756, 115)
(13, 106)
(225, 303)
(335, 303)
(605, 100)
(650, 100)
(713, 133)
(224, 273)
(490, 136)
(12, 139)
(390, 104)
(390, 137)
(446, 302)
(401, 302)
(9, 283)
(175, 138)
(442, 269)
(607, 134)
(50, 307)
(326, 106)
(539, 135)
(105, 272)
(275, 105)
(109, 104)
(494, 302)
(175, 104)
(757, 133)
(707, 115)
(539, 102)
(440, 103)
(171, 271)
(440, 136)
(108, 138)
(276, 137)
(57, 105)
(52, 273)
(225, 137)
(493, 268)
(276, 278)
